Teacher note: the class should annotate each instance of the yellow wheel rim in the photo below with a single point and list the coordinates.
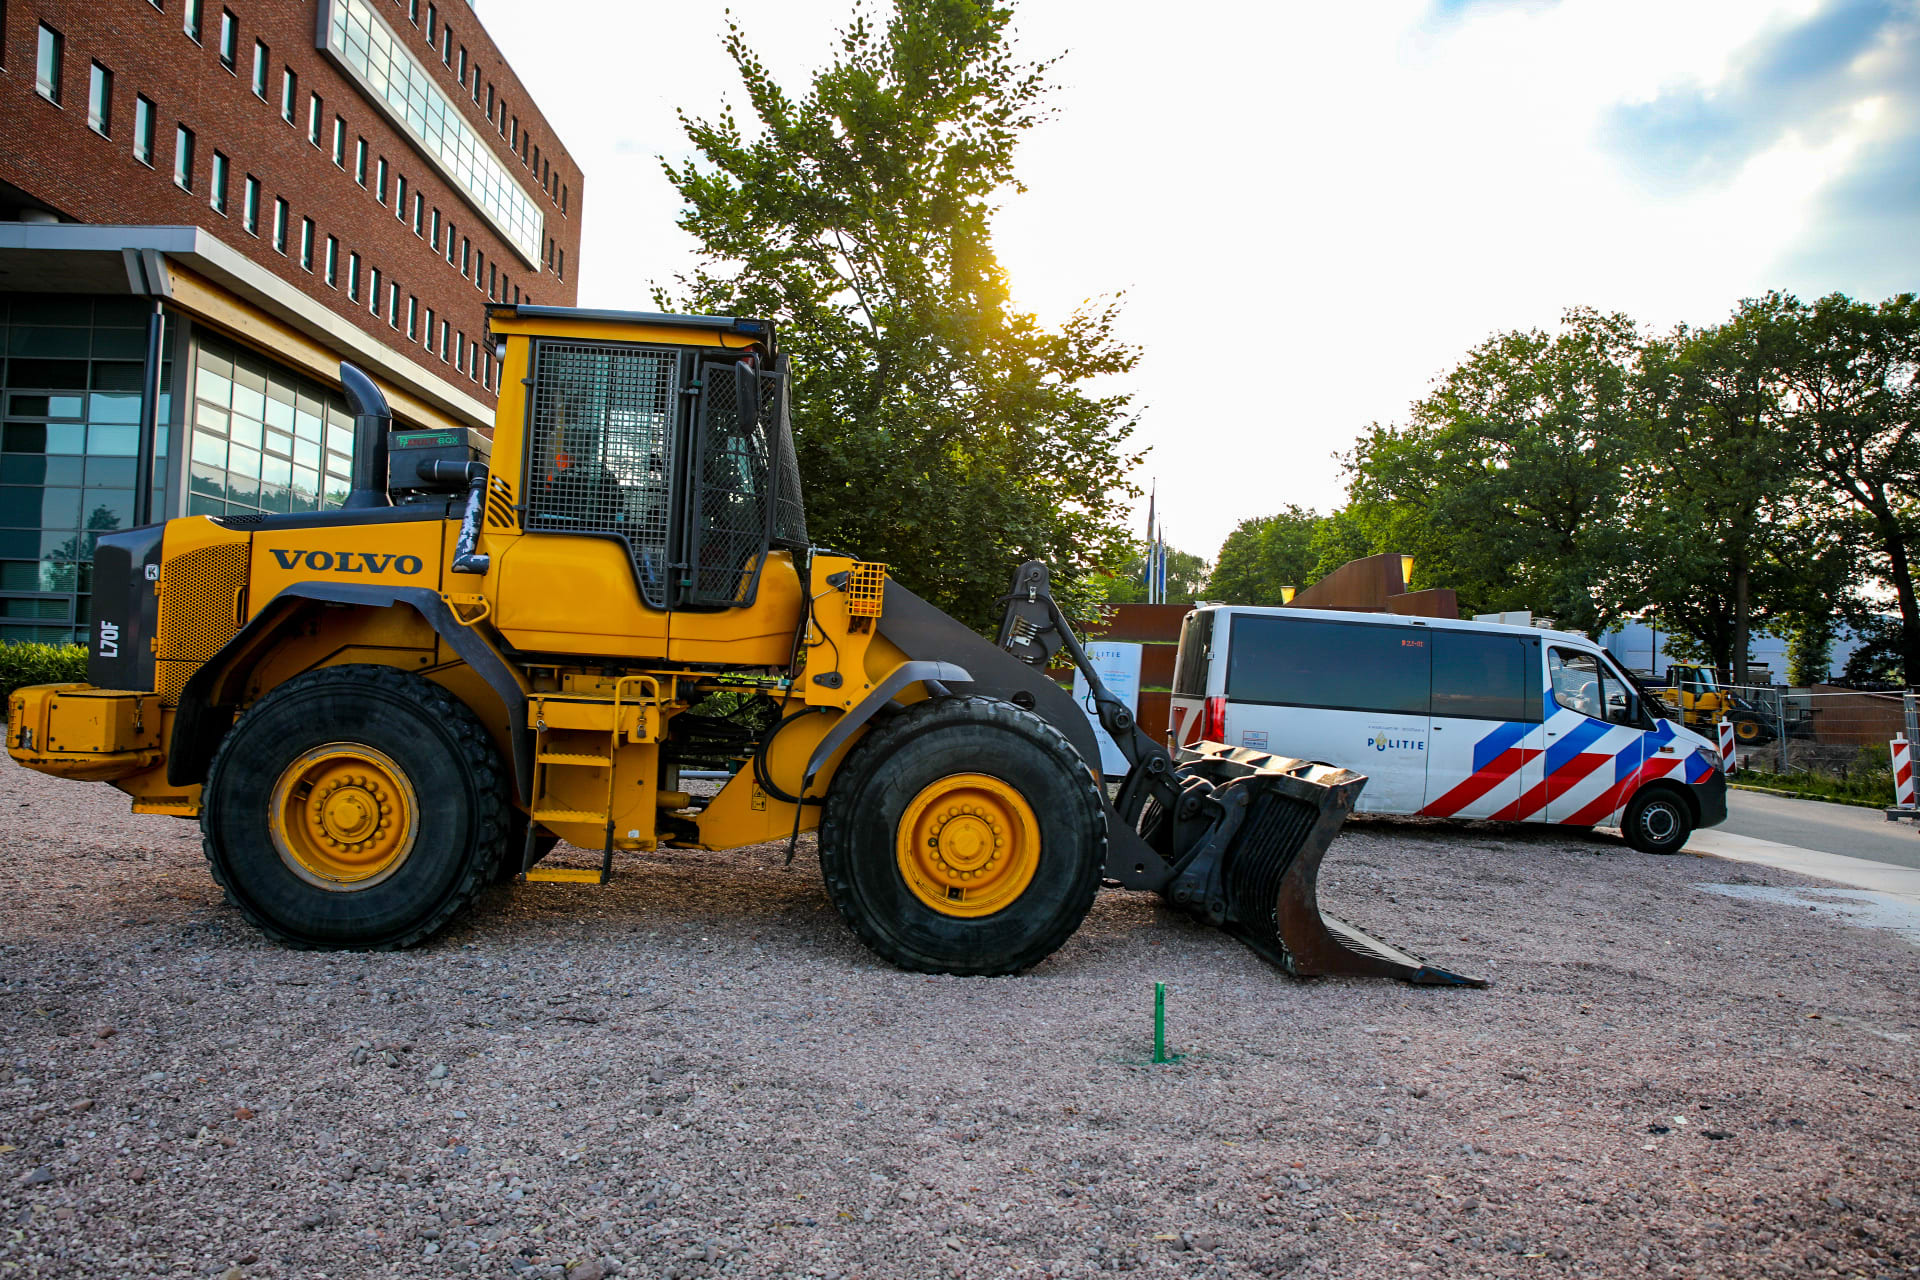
(344, 816)
(968, 845)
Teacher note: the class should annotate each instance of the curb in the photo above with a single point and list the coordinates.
(1804, 795)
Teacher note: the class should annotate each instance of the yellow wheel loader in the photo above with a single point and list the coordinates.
(1696, 693)
(376, 711)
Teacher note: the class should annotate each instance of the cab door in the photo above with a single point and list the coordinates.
(1487, 739)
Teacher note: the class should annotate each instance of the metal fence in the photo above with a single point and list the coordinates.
(1837, 735)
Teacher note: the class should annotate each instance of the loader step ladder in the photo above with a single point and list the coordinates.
(561, 714)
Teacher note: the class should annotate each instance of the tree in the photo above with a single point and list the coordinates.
(1850, 380)
(1262, 555)
(1508, 483)
(1186, 578)
(938, 428)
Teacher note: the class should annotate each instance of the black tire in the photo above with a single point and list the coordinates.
(1658, 820)
(872, 791)
(447, 759)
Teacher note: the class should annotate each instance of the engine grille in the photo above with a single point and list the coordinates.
(199, 607)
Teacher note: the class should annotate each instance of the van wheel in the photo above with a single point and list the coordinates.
(1657, 821)
(963, 836)
(355, 807)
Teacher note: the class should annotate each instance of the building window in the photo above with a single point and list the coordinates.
(183, 158)
(452, 258)
(279, 225)
(400, 197)
(413, 316)
(393, 304)
(433, 24)
(260, 60)
(466, 256)
(217, 185)
(446, 48)
(306, 244)
(340, 142)
(384, 66)
(462, 77)
(560, 264)
(190, 19)
(489, 102)
(373, 294)
(353, 276)
(563, 199)
(262, 440)
(250, 205)
(52, 60)
(143, 130)
(333, 263)
(360, 161)
(380, 180)
(429, 329)
(459, 350)
(289, 94)
(229, 39)
(492, 282)
(100, 100)
(315, 109)
(419, 214)
(434, 239)
(445, 338)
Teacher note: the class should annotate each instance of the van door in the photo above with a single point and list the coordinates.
(1486, 742)
(1595, 742)
(1352, 694)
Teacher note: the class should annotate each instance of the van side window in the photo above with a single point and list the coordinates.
(1196, 644)
(1483, 677)
(1581, 684)
(1335, 665)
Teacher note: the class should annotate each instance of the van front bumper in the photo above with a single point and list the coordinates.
(1710, 797)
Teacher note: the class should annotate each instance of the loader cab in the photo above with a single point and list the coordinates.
(644, 462)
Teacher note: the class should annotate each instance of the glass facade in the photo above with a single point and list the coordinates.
(70, 387)
(367, 47)
(263, 440)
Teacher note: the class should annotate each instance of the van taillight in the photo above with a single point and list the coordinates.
(1213, 728)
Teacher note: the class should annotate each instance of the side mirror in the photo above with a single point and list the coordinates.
(746, 394)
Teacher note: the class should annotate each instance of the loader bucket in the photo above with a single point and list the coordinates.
(1256, 874)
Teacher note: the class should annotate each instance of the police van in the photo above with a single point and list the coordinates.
(1448, 718)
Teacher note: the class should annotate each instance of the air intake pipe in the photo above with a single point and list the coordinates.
(371, 422)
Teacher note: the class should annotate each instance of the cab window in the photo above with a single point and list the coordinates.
(1581, 682)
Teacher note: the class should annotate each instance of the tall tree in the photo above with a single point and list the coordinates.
(938, 427)
(1850, 380)
(1508, 482)
(1262, 555)
(1726, 526)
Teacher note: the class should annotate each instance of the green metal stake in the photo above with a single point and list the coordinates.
(1160, 1022)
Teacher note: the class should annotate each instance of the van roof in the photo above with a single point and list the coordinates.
(1400, 620)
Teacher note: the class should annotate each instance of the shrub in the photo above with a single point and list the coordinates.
(23, 664)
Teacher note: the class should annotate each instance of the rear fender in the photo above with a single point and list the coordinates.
(213, 694)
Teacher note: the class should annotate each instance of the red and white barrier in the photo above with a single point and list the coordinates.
(1726, 747)
(1902, 773)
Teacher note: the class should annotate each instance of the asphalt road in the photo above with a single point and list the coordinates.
(1831, 828)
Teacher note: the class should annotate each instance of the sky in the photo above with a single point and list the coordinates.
(1311, 210)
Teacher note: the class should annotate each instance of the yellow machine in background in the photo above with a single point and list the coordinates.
(376, 711)
(1695, 692)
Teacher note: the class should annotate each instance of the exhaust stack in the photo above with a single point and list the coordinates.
(371, 422)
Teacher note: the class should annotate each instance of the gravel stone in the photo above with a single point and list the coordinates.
(695, 1071)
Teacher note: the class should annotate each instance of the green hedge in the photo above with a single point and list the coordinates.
(39, 664)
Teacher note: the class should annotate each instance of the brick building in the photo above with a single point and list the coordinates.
(204, 209)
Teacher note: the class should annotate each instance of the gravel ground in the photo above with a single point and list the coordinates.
(696, 1071)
